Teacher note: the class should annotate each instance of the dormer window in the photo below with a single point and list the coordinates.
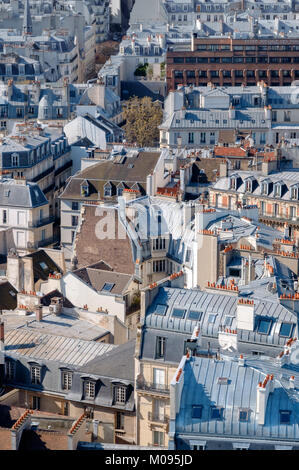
(85, 189)
(248, 185)
(89, 389)
(66, 379)
(35, 374)
(294, 192)
(277, 189)
(119, 394)
(107, 190)
(233, 182)
(265, 188)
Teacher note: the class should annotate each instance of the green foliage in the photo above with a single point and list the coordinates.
(142, 118)
(141, 70)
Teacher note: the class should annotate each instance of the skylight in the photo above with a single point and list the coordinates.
(107, 287)
(43, 265)
(286, 329)
(264, 326)
(178, 312)
(194, 315)
(223, 381)
(160, 309)
(216, 412)
(197, 411)
(212, 318)
(228, 320)
(243, 415)
(285, 416)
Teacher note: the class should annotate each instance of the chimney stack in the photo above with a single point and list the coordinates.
(263, 390)
(292, 382)
(39, 313)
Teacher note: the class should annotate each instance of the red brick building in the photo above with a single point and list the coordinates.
(233, 62)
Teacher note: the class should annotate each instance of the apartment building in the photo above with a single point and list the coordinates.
(275, 194)
(40, 155)
(195, 117)
(174, 320)
(26, 222)
(261, 413)
(98, 382)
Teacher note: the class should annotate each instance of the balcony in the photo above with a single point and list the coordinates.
(154, 388)
(158, 418)
(41, 222)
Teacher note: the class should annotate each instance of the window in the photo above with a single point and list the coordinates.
(89, 389)
(4, 216)
(159, 244)
(194, 315)
(158, 438)
(294, 192)
(277, 190)
(243, 415)
(223, 381)
(197, 411)
(160, 347)
(212, 318)
(178, 312)
(36, 403)
(9, 370)
(191, 138)
(107, 287)
(285, 416)
(216, 412)
(286, 329)
(15, 159)
(119, 394)
(228, 320)
(67, 380)
(202, 137)
(120, 191)
(159, 266)
(160, 309)
(85, 190)
(35, 374)
(287, 116)
(264, 326)
(75, 206)
(107, 190)
(120, 421)
(293, 212)
(74, 220)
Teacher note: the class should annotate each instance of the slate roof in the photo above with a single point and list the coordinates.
(201, 387)
(117, 363)
(96, 279)
(46, 347)
(108, 171)
(176, 330)
(43, 265)
(27, 195)
(8, 296)
(289, 178)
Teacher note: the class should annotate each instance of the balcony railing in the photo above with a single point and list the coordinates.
(153, 387)
(158, 418)
(41, 222)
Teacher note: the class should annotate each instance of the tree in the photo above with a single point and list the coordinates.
(142, 117)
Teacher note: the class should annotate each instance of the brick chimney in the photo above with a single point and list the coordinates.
(263, 390)
(39, 313)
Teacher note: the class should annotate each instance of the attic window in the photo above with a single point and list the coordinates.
(197, 411)
(84, 190)
(43, 265)
(285, 416)
(248, 185)
(161, 309)
(107, 287)
(294, 192)
(212, 318)
(243, 415)
(264, 326)
(178, 312)
(228, 320)
(194, 315)
(265, 188)
(216, 412)
(286, 329)
(277, 190)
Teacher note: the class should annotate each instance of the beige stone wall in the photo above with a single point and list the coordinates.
(207, 260)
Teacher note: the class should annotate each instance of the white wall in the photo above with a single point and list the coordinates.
(80, 294)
